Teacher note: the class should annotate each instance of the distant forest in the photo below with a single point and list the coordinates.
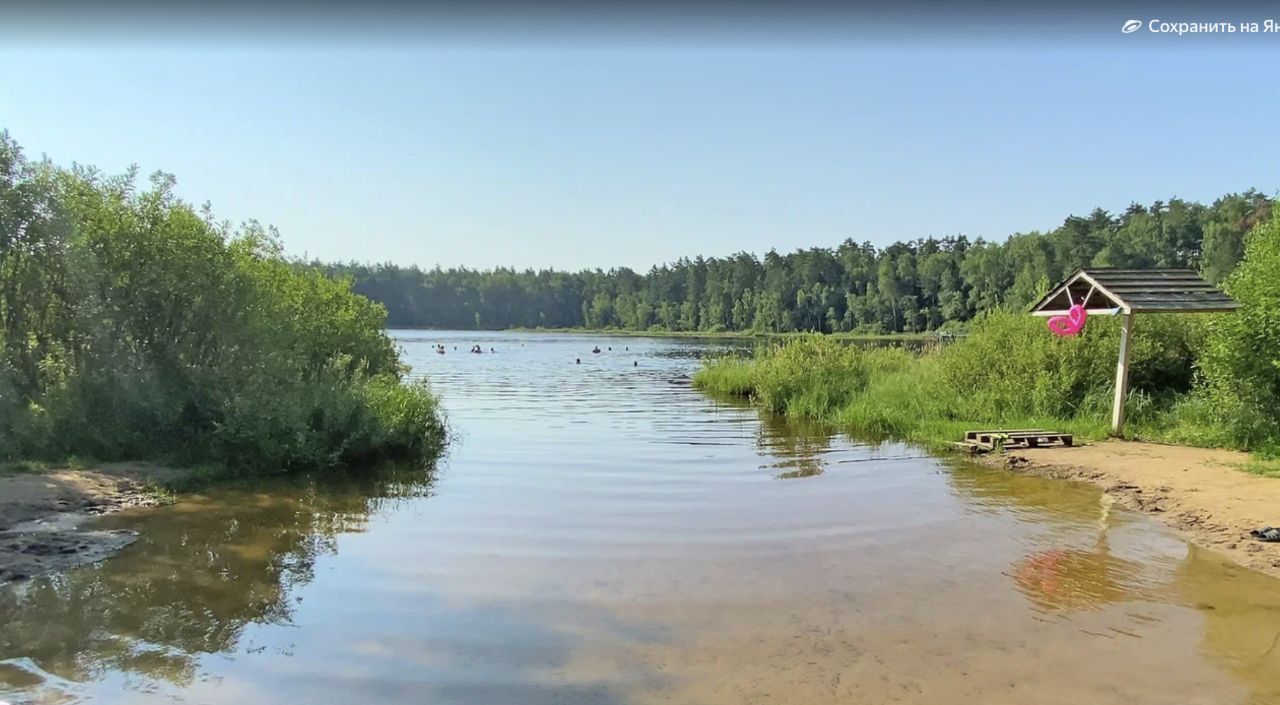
(914, 286)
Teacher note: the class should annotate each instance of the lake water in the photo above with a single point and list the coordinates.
(600, 533)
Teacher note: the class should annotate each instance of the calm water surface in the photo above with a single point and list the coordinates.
(601, 533)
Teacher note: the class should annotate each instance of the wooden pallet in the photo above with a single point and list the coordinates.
(1017, 438)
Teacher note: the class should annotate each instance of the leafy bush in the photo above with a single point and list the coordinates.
(1240, 396)
(134, 327)
(1010, 366)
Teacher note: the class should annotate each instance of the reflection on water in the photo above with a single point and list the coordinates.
(795, 447)
(201, 572)
(1240, 609)
(602, 534)
(1073, 578)
(1078, 570)
(1241, 612)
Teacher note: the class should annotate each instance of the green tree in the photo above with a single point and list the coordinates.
(1241, 363)
(134, 326)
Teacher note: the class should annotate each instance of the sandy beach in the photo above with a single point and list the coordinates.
(1202, 493)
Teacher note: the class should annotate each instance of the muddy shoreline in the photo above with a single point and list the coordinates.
(44, 515)
(1202, 494)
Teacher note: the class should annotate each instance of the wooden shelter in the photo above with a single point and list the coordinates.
(1126, 292)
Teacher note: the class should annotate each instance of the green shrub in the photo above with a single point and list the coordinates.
(136, 328)
(1011, 366)
(1240, 364)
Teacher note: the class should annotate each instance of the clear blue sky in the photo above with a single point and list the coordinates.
(587, 155)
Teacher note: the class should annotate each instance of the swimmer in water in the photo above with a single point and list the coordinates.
(577, 361)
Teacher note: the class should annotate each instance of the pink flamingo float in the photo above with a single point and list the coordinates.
(1073, 322)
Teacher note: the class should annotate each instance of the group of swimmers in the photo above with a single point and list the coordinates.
(477, 350)
(596, 351)
(474, 348)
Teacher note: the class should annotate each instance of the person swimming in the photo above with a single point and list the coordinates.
(596, 349)
(577, 361)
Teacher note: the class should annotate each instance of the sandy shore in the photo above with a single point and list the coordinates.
(1201, 493)
(42, 513)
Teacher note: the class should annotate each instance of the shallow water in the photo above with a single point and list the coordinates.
(601, 533)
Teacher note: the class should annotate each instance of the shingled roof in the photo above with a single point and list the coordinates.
(1111, 290)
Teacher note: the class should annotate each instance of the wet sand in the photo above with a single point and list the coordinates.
(42, 513)
(1202, 493)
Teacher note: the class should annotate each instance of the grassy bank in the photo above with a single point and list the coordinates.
(136, 327)
(1209, 380)
(883, 392)
(934, 398)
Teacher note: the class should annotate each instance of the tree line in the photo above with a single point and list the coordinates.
(919, 285)
(1208, 380)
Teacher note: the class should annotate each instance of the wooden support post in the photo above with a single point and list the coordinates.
(1122, 375)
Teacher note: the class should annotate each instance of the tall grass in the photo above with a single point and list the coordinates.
(1207, 380)
(1009, 372)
